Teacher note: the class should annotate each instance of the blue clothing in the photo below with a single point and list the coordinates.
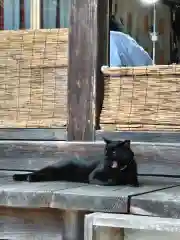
(125, 51)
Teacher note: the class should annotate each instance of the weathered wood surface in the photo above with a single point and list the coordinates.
(74, 196)
(135, 227)
(49, 223)
(132, 222)
(33, 78)
(86, 42)
(73, 225)
(164, 203)
(131, 234)
(61, 134)
(105, 199)
(103, 233)
(141, 136)
(41, 223)
(151, 157)
(30, 224)
(33, 134)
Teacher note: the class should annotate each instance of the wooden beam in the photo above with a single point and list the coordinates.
(35, 14)
(87, 40)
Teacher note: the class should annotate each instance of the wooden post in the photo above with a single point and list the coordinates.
(87, 40)
(35, 14)
(1, 14)
(22, 15)
(58, 13)
(103, 55)
(42, 14)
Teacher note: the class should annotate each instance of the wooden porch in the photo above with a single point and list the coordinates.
(51, 95)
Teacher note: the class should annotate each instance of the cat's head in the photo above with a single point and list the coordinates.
(118, 153)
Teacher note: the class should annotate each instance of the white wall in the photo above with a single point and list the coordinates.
(138, 12)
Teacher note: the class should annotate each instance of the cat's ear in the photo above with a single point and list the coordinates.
(127, 143)
(107, 141)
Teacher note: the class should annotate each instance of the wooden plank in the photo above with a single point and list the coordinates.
(74, 196)
(84, 43)
(152, 157)
(31, 195)
(33, 134)
(35, 14)
(131, 234)
(106, 199)
(102, 233)
(61, 134)
(140, 136)
(163, 203)
(121, 221)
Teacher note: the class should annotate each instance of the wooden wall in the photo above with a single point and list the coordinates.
(33, 78)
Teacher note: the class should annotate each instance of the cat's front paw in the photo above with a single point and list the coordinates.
(31, 178)
(135, 184)
(96, 182)
(110, 182)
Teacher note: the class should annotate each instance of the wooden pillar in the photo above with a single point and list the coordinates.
(1, 14)
(87, 41)
(35, 14)
(103, 55)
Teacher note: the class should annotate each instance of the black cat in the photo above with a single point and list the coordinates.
(117, 168)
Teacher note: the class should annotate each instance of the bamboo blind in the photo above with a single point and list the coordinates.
(33, 78)
(142, 98)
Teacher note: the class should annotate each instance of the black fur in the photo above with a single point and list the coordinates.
(117, 168)
(120, 155)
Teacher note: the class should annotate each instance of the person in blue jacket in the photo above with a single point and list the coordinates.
(124, 50)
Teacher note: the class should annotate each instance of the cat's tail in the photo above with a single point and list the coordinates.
(19, 176)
